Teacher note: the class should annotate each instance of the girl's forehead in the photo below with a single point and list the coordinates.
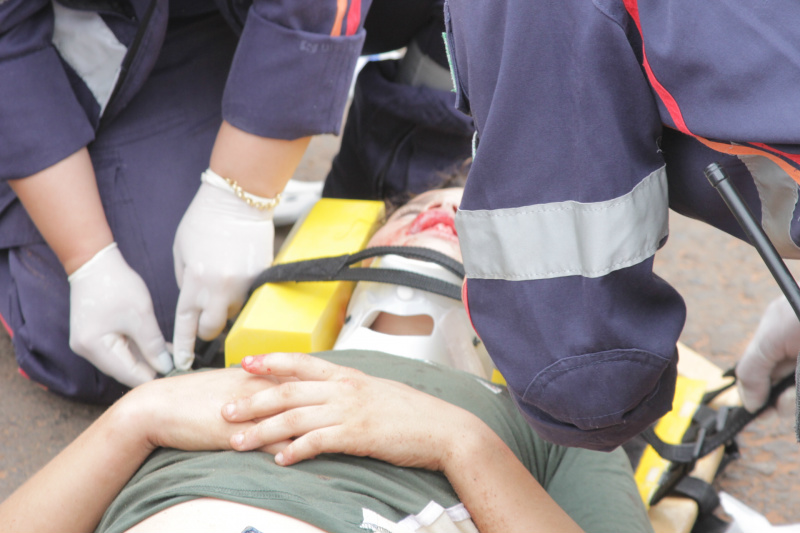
(452, 194)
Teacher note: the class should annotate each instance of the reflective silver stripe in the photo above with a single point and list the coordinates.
(566, 238)
(778, 194)
(92, 50)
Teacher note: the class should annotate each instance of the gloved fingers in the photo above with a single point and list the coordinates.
(787, 403)
(777, 337)
(755, 375)
(180, 266)
(186, 318)
(213, 319)
(112, 355)
(754, 379)
(754, 394)
(150, 344)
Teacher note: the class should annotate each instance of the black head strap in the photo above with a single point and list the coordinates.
(339, 268)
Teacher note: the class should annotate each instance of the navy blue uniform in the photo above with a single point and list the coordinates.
(592, 120)
(145, 85)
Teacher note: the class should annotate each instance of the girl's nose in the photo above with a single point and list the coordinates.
(444, 205)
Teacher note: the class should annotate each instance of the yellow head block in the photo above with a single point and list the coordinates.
(305, 317)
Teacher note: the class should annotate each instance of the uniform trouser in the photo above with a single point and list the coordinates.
(399, 138)
(148, 162)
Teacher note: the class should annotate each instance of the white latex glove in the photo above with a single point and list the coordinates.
(770, 356)
(221, 245)
(296, 199)
(112, 323)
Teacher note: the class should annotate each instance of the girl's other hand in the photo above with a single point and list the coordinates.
(334, 409)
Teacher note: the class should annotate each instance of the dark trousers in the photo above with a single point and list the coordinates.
(398, 139)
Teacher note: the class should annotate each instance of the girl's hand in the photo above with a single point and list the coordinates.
(335, 409)
(184, 412)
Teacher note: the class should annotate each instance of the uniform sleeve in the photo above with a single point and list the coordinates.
(293, 67)
(564, 208)
(41, 119)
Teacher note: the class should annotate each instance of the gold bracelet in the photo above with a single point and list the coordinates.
(252, 200)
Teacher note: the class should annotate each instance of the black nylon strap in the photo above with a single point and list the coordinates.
(700, 491)
(412, 252)
(709, 438)
(338, 268)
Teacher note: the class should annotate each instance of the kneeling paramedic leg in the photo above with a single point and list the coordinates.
(402, 128)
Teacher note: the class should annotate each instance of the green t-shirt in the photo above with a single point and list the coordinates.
(596, 489)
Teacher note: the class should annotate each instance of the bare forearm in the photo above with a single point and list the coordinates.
(260, 165)
(497, 489)
(64, 203)
(71, 493)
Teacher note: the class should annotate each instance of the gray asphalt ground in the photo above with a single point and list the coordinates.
(726, 288)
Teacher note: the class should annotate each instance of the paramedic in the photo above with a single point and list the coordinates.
(592, 120)
(466, 456)
(116, 110)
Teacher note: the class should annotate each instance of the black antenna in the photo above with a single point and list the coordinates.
(718, 178)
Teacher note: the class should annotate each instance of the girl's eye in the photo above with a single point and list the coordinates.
(408, 212)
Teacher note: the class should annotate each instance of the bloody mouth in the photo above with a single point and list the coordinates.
(433, 219)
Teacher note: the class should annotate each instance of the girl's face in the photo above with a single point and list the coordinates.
(426, 221)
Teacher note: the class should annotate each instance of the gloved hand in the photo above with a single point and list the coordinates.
(112, 323)
(221, 245)
(770, 356)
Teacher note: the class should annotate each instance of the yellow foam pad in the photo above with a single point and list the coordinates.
(305, 317)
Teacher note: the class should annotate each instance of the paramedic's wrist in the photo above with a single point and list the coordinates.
(226, 184)
(260, 165)
(83, 250)
(64, 203)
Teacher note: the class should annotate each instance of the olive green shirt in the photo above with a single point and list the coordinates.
(596, 489)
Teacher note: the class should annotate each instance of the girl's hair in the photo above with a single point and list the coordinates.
(455, 176)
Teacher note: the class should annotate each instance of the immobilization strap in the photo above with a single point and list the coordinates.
(698, 490)
(339, 268)
(713, 432)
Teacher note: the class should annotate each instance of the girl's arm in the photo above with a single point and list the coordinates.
(71, 493)
(334, 409)
(497, 489)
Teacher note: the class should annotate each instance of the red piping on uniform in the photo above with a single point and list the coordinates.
(677, 117)
(465, 301)
(672, 106)
(353, 17)
(791, 157)
(8, 328)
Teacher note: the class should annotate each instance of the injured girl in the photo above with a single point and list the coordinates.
(348, 440)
